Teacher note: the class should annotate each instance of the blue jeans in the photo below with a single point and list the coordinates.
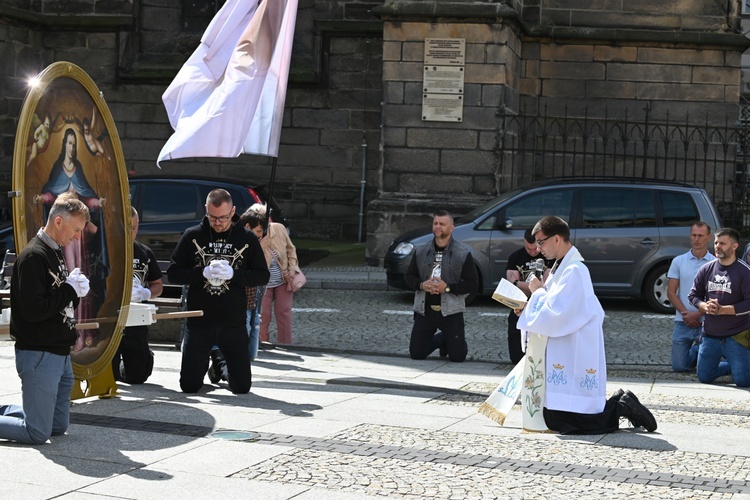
(711, 367)
(253, 331)
(46, 383)
(684, 353)
(253, 322)
(196, 349)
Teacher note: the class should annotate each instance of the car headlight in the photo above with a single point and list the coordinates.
(403, 248)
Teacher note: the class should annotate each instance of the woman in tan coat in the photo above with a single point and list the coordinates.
(281, 257)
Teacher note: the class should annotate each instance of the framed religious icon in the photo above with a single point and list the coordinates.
(67, 142)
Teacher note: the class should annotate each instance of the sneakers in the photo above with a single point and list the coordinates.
(638, 414)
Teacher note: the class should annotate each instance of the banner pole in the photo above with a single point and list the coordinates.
(270, 192)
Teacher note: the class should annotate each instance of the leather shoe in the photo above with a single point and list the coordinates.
(638, 414)
(213, 373)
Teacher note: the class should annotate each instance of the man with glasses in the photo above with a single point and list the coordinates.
(218, 259)
(565, 310)
(43, 297)
(443, 274)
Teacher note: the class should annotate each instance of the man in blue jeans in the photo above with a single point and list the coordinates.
(688, 320)
(721, 291)
(43, 296)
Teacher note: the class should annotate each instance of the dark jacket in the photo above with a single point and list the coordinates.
(38, 298)
(458, 271)
(223, 303)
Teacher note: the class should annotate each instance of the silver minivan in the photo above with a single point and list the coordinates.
(627, 230)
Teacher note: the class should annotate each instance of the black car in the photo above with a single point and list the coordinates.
(169, 205)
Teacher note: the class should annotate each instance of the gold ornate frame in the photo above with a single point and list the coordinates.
(64, 97)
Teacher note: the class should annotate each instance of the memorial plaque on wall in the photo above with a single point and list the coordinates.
(443, 79)
(442, 107)
(445, 51)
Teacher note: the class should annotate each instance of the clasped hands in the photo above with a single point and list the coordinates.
(434, 286)
(218, 269)
(79, 282)
(713, 307)
(140, 292)
(692, 318)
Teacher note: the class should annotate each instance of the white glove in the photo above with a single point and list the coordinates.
(224, 270)
(79, 282)
(218, 270)
(140, 293)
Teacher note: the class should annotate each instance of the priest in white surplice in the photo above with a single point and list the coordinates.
(565, 310)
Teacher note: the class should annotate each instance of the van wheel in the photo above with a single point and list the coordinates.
(655, 290)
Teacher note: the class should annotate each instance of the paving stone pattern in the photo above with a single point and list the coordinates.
(384, 460)
(323, 318)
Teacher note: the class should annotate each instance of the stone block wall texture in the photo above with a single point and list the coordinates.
(356, 78)
(332, 106)
(567, 57)
(704, 15)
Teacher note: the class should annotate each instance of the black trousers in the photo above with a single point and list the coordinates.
(566, 422)
(133, 362)
(424, 339)
(514, 339)
(196, 350)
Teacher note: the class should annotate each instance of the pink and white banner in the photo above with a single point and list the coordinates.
(228, 98)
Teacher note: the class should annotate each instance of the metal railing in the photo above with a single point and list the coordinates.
(709, 154)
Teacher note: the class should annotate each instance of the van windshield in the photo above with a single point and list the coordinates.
(488, 206)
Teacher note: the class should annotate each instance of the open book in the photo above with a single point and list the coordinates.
(509, 294)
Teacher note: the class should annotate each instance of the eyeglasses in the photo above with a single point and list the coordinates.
(539, 243)
(222, 218)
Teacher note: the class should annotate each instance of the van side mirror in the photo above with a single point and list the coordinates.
(508, 224)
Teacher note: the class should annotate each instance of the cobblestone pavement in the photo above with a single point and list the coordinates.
(344, 414)
(378, 460)
(381, 321)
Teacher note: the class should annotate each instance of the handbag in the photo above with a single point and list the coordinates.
(298, 280)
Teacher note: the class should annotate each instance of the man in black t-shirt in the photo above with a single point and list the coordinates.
(521, 265)
(134, 361)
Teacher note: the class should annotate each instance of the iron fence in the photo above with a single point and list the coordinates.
(709, 154)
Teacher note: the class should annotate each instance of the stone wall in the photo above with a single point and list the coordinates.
(558, 57)
(429, 165)
(356, 79)
(132, 51)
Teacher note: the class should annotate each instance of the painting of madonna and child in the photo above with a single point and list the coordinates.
(70, 148)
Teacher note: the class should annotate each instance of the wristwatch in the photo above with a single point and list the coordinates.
(515, 282)
(447, 289)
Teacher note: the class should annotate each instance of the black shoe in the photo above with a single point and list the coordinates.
(638, 414)
(617, 394)
(443, 350)
(213, 373)
(217, 369)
